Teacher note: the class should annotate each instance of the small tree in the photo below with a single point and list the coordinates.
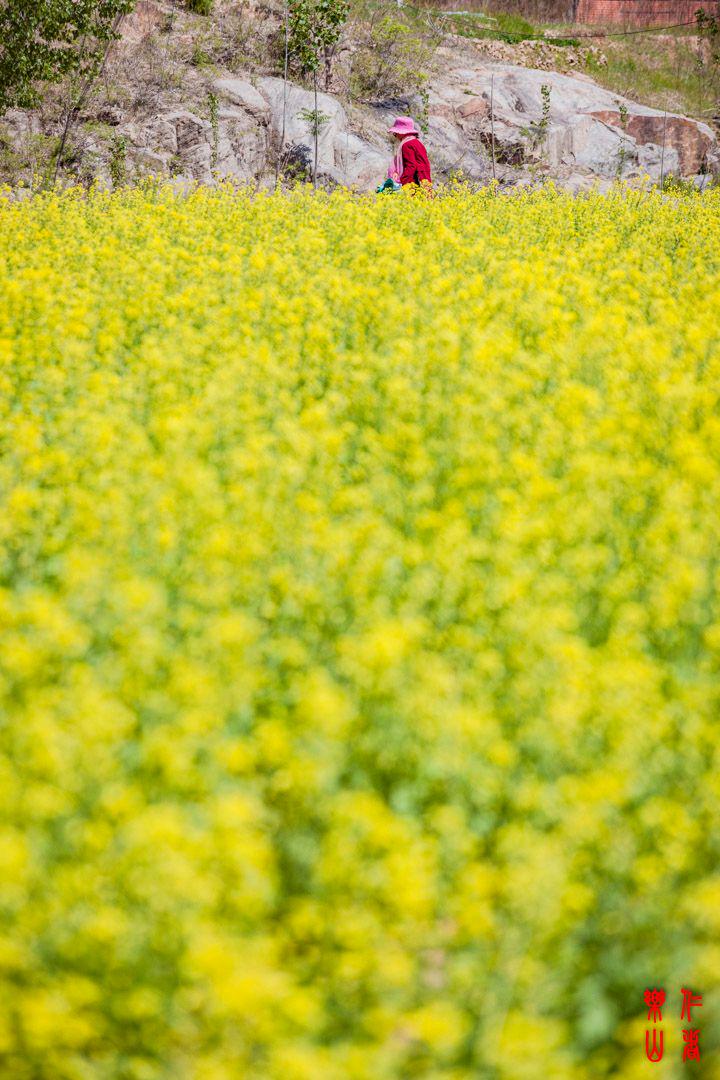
(46, 40)
(314, 29)
(393, 56)
(538, 130)
(314, 120)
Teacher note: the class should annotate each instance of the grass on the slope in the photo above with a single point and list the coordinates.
(663, 69)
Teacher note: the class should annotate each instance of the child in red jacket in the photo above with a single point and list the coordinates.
(410, 164)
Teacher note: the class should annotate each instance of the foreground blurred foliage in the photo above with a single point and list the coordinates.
(359, 634)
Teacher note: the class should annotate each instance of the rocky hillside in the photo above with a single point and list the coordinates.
(172, 102)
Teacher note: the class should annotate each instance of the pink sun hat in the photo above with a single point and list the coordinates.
(404, 125)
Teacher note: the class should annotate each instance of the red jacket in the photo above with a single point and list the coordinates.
(416, 166)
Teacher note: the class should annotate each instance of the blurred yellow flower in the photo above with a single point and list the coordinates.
(359, 632)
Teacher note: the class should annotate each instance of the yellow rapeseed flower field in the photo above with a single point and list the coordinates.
(359, 634)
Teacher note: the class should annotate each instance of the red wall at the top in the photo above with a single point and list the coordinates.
(643, 12)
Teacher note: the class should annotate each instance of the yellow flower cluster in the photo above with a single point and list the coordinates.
(359, 634)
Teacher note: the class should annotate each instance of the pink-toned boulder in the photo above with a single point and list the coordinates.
(691, 141)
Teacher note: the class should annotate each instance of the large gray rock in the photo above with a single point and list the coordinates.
(589, 132)
(343, 155)
(263, 124)
(242, 93)
(588, 128)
